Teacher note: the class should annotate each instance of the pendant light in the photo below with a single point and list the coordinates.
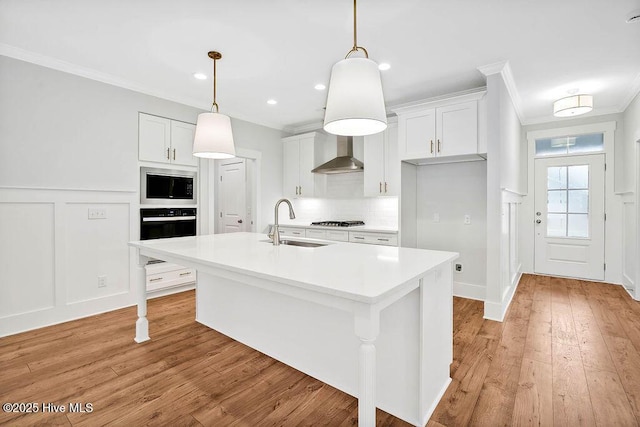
(355, 103)
(214, 138)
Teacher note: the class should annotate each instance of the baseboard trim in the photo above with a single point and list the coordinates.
(469, 290)
(497, 310)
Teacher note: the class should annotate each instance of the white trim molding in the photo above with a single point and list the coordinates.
(503, 68)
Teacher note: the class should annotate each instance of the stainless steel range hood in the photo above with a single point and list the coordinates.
(344, 162)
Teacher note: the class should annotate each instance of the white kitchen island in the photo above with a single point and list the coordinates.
(372, 321)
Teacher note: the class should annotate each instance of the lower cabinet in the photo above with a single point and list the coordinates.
(369, 237)
(386, 239)
(335, 235)
(165, 275)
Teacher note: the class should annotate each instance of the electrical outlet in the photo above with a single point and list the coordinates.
(467, 219)
(436, 217)
(97, 213)
(458, 268)
(102, 281)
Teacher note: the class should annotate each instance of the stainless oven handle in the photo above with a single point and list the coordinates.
(168, 218)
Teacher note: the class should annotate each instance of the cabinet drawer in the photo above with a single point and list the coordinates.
(169, 279)
(374, 238)
(316, 234)
(338, 235)
(292, 232)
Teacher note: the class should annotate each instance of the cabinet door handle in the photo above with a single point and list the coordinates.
(168, 158)
(432, 146)
(358, 237)
(301, 190)
(174, 154)
(296, 190)
(385, 187)
(380, 191)
(187, 273)
(383, 240)
(438, 146)
(156, 279)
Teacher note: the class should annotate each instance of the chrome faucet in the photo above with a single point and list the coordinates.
(275, 232)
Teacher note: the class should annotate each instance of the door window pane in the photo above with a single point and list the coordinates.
(557, 178)
(556, 225)
(573, 144)
(568, 201)
(557, 201)
(579, 201)
(578, 225)
(579, 176)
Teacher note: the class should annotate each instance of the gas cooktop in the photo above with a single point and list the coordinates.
(338, 223)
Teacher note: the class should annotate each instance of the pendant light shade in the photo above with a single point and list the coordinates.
(355, 103)
(573, 105)
(214, 137)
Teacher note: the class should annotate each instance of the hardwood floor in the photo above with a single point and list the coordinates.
(568, 354)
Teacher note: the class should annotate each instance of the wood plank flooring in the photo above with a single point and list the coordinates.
(567, 354)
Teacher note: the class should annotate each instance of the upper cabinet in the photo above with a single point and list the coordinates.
(381, 163)
(441, 130)
(163, 140)
(298, 161)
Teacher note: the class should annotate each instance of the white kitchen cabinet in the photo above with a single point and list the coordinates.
(386, 239)
(335, 235)
(381, 163)
(165, 275)
(442, 130)
(163, 140)
(298, 161)
(291, 232)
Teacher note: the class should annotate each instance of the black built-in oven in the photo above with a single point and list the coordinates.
(162, 223)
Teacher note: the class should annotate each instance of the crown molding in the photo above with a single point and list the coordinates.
(504, 69)
(635, 90)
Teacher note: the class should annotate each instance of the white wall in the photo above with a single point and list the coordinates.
(504, 192)
(451, 191)
(630, 189)
(68, 144)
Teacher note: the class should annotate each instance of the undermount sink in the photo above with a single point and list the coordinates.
(303, 244)
(299, 243)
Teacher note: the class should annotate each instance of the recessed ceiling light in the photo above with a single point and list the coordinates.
(319, 86)
(200, 76)
(272, 102)
(384, 66)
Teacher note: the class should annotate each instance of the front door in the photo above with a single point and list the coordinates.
(569, 216)
(233, 196)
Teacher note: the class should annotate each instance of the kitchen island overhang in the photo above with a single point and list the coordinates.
(373, 321)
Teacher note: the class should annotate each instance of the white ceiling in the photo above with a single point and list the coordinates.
(281, 48)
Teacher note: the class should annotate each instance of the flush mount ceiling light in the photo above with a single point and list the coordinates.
(573, 105)
(355, 103)
(200, 76)
(214, 138)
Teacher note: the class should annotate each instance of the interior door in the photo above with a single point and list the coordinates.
(569, 216)
(233, 196)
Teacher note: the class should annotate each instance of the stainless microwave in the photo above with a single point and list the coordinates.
(167, 187)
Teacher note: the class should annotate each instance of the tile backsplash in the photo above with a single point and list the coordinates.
(375, 212)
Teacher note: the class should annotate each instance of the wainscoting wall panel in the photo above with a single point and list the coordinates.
(27, 258)
(52, 255)
(629, 244)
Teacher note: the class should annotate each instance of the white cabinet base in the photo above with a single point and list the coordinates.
(165, 275)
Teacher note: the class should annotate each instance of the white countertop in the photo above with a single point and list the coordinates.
(365, 273)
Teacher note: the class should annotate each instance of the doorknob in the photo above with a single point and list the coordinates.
(538, 221)
(538, 213)
(239, 221)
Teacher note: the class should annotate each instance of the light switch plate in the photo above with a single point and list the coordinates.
(97, 213)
